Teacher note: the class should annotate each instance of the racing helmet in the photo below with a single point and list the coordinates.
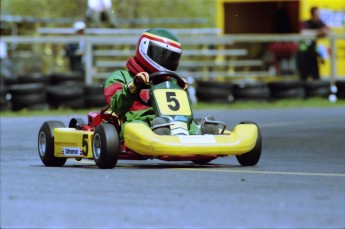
(158, 50)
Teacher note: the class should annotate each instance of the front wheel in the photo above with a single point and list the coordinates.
(106, 146)
(46, 144)
(252, 157)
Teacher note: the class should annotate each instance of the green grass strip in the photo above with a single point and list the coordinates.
(274, 104)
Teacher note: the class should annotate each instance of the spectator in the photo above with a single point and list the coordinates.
(6, 65)
(308, 57)
(100, 11)
(75, 51)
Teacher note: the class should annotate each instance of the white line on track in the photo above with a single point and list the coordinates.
(263, 172)
(288, 123)
(85, 162)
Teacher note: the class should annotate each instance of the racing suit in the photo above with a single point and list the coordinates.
(126, 106)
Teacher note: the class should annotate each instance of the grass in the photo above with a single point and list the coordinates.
(277, 104)
(281, 104)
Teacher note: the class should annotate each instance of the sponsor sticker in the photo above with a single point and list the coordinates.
(179, 128)
(72, 151)
(199, 139)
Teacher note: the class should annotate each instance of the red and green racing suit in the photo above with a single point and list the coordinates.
(126, 106)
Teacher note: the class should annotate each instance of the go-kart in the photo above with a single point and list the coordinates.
(98, 139)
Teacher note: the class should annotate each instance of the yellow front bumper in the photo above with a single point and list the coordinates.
(72, 143)
(142, 140)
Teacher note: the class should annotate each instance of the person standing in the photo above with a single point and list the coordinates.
(100, 10)
(75, 51)
(308, 57)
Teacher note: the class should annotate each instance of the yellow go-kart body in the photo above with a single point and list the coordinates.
(72, 143)
(99, 138)
(141, 139)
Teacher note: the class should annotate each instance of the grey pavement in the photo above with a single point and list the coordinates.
(298, 183)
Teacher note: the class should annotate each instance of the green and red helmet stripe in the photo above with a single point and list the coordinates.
(166, 40)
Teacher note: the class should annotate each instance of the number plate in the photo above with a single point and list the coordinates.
(172, 102)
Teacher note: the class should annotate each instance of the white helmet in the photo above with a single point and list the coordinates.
(79, 25)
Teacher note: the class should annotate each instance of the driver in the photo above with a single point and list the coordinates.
(157, 50)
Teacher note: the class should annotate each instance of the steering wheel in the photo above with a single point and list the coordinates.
(157, 78)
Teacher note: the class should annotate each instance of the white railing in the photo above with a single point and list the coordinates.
(203, 40)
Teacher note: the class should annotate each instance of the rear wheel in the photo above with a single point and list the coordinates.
(46, 144)
(252, 157)
(106, 146)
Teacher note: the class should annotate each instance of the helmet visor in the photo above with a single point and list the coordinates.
(163, 56)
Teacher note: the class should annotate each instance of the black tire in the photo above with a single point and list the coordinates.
(33, 78)
(317, 84)
(106, 146)
(66, 78)
(65, 91)
(10, 81)
(215, 84)
(214, 91)
(38, 107)
(93, 89)
(251, 90)
(289, 93)
(319, 92)
(94, 96)
(3, 93)
(341, 89)
(282, 85)
(95, 101)
(24, 89)
(28, 100)
(287, 89)
(27, 95)
(77, 103)
(211, 94)
(252, 157)
(46, 144)
(317, 88)
(252, 93)
(71, 96)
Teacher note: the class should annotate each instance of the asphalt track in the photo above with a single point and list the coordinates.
(298, 183)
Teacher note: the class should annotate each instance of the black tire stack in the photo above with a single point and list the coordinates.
(37, 92)
(317, 88)
(94, 96)
(66, 90)
(251, 90)
(3, 95)
(214, 91)
(340, 89)
(27, 92)
(287, 89)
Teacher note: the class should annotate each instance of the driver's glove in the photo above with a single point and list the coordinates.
(140, 79)
(185, 86)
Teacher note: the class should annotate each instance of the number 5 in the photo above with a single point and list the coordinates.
(85, 144)
(171, 98)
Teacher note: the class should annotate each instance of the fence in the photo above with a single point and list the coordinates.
(205, 54)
